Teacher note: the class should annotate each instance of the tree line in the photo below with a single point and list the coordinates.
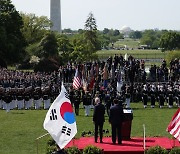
(28, 38)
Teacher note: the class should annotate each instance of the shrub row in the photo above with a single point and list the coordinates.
(90, 149)
(160, 150)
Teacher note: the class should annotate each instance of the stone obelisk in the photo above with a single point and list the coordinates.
(55, 15)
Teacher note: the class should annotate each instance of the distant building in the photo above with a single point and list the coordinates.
(126, 31)
(55, 15)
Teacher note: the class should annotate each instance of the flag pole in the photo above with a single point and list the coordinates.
(73, 141)
(37, 139)
(174, 142)
(144, 137)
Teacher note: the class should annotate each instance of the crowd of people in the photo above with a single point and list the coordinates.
(117, 77)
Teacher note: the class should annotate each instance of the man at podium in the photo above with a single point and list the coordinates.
(116, 119)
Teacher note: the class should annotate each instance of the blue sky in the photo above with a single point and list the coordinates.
(137, 14)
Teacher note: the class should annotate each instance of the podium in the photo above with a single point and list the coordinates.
(126, 125)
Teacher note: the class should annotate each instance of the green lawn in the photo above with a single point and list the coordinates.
(130, 43)
(141, 54)
(19, 129)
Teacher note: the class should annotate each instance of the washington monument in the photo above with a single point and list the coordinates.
(55, 15)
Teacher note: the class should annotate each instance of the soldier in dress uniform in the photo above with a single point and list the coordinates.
(27, 97)
(177, 94)
(153, 95)
(107, 101)
(170, 96)
(37, 98)
(13, 103)
(161, 94)
(46, 97)
(145, 95)
(1, 96)
(71, 95)
(77, 101)
(128, 97)
(87, 102)
(20, 98)
(7, 100)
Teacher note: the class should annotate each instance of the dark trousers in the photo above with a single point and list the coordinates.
(76, 109)
(116, 131)
(108, 109)
(100, 127)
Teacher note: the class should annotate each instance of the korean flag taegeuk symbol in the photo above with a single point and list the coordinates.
(60, 120)
(67, 113)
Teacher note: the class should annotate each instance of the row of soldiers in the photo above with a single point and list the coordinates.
(161, 93)
(27, 98)
(41, 97)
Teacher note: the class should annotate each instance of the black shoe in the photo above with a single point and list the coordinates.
(101, 141)
(95, 141)
(119, 142)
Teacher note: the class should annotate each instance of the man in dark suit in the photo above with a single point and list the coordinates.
(98, 119)
(115, 119)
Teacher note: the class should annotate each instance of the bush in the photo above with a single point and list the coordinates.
(51, 146)
(72, 150)
(175, 150)
(156, 150)
(172, 55)
(92, 150)
(47, 65)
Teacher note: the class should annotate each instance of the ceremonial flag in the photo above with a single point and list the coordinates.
(77, 80)
(119, 81)
(174, 126)
(60, 120)
(126, 57)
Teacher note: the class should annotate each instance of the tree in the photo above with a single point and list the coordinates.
(116, 32)
(135, 34)
(34, 27)
(68, 31)
(48, 46)
(151, 38)
(105, 31)
(12, 41)
(64, 45)
(170, 41)
(91, 42)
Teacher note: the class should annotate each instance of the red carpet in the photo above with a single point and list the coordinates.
(135, 145)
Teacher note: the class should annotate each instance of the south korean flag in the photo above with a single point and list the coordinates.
(60, 119)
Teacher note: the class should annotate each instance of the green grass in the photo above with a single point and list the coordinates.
(19, 129)
(142, 54)
(130, 43)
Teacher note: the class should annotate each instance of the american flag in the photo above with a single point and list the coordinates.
(77, 80)
(174, 126)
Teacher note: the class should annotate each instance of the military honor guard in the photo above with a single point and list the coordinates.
(161, 94)
(1, 97)
(27, 97)
(77, 101)
(170, 96)
(7, 100)
(20, 98)
(153, 95)
(46, 97)
(37, 98)
(13, 103)
(145, 95)
(107, 101)
(87, 102)
(128, 97)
